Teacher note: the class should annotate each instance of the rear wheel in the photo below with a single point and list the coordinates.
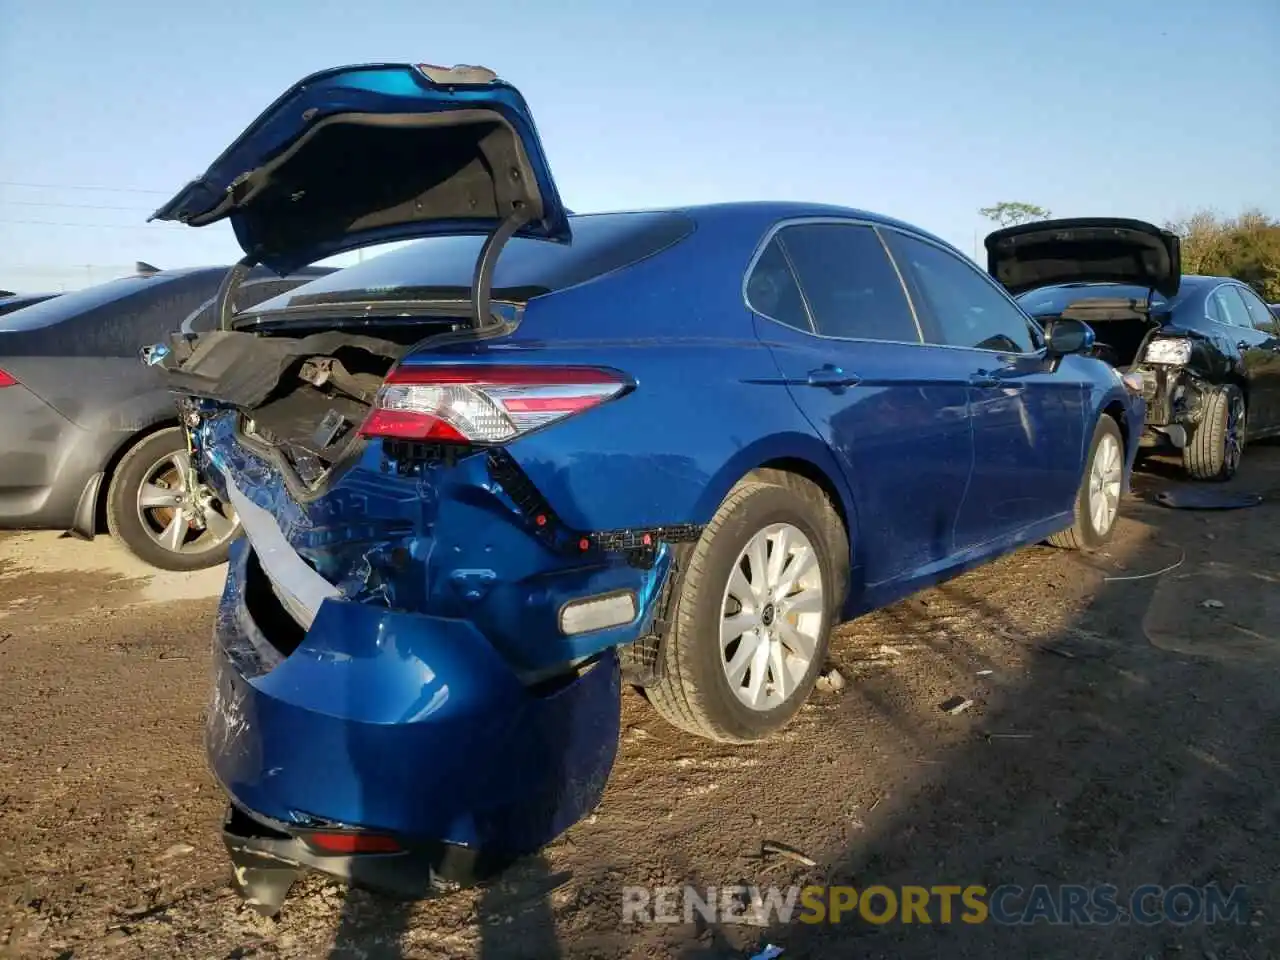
(1097, 505)
(159, 515)
(1217, 445)
(754, 608)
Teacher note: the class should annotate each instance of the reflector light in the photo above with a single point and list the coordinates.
(597, 613)
(484, 404)
(6, 380)
(348, 843)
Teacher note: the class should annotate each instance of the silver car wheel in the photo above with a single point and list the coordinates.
(1104, 485)
(771, 616)
(180, 516)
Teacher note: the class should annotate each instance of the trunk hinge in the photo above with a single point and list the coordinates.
(482, 283)
(225, 305)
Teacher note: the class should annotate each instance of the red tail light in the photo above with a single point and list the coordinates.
(6, 380)
(342, 844)
(484, 404)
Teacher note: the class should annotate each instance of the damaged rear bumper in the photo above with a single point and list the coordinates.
(407, 725)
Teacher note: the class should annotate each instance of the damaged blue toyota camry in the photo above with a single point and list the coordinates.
(492, 476)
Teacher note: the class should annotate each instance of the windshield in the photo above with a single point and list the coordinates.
(443, 267)
(48, 312)
(1047, 301)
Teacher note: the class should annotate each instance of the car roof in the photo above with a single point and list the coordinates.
(760, 214)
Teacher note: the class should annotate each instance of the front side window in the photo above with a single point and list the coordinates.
(964, 308)
(1259, 314)
(849, 283)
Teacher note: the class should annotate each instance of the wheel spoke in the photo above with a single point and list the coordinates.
(736, 668)
(740, 589)
(219, 526)
(731, 628)
(759, 673)
(783, 684)
(151, 496)
(175, 532)
(806, 601)
(182, 463)
(802, 561)
(758, 561)
(798, 642)
(781, 550)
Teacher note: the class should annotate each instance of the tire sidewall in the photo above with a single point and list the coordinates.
(766, 506)
(123, 521)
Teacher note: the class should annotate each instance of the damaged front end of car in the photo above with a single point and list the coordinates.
(1176, 385)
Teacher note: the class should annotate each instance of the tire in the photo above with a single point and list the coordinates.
(695, 692)
(1103, 476)
(154, 461)
(1214, 450)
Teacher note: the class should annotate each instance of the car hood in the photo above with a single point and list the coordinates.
(368, 154)
(1085, 250)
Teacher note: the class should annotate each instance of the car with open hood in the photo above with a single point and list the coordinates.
(488, 477)
(1206, 349)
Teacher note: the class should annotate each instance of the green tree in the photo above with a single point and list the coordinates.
(1006, 213)
(1246, 247)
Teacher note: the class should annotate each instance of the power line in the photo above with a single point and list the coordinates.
(73, 186)
(93, 226)
(71, 206)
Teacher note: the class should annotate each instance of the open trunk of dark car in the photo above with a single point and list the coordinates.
(1122, 326)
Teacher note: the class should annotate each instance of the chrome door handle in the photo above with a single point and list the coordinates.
(983, 379)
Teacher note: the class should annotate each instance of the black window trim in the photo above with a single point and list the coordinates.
(1030, 321)
(777, 228)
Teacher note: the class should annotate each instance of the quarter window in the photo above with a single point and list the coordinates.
(849, 283)
(963, 306)
(772, 290)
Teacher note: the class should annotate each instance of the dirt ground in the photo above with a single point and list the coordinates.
(1122, 732)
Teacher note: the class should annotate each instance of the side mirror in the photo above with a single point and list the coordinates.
(1069, 336)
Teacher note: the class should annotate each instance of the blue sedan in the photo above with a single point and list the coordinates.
(489, 477)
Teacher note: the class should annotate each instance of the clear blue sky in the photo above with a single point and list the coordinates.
(924, 110)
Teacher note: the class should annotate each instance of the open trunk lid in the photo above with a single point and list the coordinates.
(1085, 250)
(360, 155)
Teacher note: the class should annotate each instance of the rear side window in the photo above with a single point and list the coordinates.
(964, 307)
(848, 282)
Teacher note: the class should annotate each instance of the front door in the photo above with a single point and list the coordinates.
(832, 309)
(1260, 346)
(1028, 414)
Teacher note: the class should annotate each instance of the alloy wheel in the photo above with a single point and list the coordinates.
(771, 616)
(1104, 485)
(179, 514)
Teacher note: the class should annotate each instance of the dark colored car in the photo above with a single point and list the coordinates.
(485, 477)
(10, 301)
(89, 438)
(1206, 348)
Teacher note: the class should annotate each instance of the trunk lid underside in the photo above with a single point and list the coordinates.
(1085, 250)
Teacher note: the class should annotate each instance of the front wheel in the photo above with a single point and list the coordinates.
(1097, 505)
(1217, 445)
(164, 518)
(754, 608)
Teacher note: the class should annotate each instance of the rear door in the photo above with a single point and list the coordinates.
(832, 308)
(1028, 417)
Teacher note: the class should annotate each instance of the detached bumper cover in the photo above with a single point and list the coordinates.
(403, 723)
